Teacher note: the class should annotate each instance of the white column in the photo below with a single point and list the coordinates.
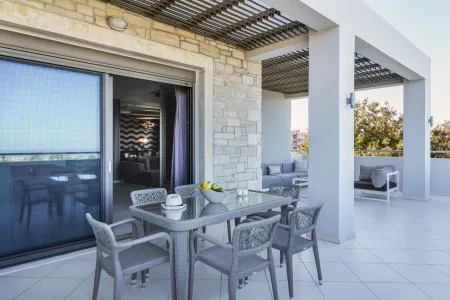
(331, 157)
(416, 140)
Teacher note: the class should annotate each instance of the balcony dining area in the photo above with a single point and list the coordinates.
(401, 249)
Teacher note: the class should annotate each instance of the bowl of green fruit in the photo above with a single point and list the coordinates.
(213, 193)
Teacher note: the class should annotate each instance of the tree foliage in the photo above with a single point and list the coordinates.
(380, 127)
(377, 127)
(440, 139)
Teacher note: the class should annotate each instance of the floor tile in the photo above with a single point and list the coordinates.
(74, 269)
(202, 271)
(325, 254)
(432, 257)
(412, 244)
(332, 272)
(350, 244)
(208, 289)
(354, 256)
(84, 290)
(347, 291)
(376, 243)
(436, 291)
(365, 233)
(421, 273)
(302, 291)
(440, 244)
(396, 256)
(155, 289)
(395, 291)
(160, 272)
(443, 268)
(36, 272)
(376, 273)
(255, 290)
(51, 288)
(10, 287)
(299, 270)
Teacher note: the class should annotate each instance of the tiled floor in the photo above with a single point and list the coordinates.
(401, 251)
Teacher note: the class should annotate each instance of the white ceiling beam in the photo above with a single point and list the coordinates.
(372, 53)
(364, 87)
(296, 96)
(280, 48)
(395, 51)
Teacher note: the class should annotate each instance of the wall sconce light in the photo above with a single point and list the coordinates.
(351, 100)
(431, 121)
(117, 23)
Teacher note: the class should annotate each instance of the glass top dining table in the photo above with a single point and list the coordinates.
(198, 213)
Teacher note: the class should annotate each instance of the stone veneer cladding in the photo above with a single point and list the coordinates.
(236, 81)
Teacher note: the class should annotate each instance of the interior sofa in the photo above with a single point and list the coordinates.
(141, 171)
(285, 177)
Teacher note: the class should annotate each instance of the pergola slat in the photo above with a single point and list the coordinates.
(247, 24)
(289, 73)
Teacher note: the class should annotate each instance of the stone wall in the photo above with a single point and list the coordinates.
(236, 83)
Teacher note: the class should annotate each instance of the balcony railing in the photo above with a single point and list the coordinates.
(387, 153)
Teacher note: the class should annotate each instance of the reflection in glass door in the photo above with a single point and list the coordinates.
(50, 156)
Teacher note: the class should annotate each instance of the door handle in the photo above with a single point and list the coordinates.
(109, 167)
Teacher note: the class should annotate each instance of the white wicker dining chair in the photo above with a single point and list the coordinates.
(239, 259)
(120, 259)
(290, 239)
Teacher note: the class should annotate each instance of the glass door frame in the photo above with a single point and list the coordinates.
(80, 244)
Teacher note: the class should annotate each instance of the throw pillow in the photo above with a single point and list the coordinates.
(379, 177)
(300, 165)
(274, 170)
(365, 172)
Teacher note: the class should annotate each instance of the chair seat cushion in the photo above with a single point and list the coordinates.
(281, 238)
(367, 185)
(137, 258)
(221, 259)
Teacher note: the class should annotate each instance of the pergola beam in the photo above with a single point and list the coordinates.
(277, 49)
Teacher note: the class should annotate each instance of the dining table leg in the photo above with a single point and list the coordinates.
(180, 244)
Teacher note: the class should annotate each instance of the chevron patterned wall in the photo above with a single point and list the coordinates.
(131, 130)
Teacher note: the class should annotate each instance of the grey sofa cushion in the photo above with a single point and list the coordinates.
(268, 180)
(274, 170)
(288, 167)
(301, 174)
(154, 162)
(145, 160)
(286, 178)
(367, 185)
(300, 165)
(365, 172)
(264, 169)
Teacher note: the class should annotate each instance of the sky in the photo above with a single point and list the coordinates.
(64, 114)
(427, 25)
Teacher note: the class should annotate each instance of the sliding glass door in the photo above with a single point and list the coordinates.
(50, 156)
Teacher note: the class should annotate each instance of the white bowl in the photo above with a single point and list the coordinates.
(212, 196)
(173, 200)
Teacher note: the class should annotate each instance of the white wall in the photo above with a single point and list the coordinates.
(440, 176)
(276, 127)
